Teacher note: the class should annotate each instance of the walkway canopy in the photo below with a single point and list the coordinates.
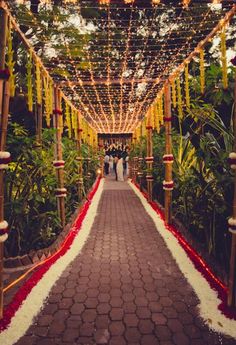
(112, 58)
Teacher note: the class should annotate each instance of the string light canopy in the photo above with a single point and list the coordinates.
(111, 58)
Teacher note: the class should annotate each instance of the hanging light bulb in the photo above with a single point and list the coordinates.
(186, 3)
(156, 2)
(128, 1)
(70, 1)
(104, 2)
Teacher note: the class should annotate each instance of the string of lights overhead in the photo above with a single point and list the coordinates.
(111, 58)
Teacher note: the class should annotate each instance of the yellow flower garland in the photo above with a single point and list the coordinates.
(11, 63)
(60, 119)
(202, 71)
(74, 122)
(29, 82)
(179, 99)
(187, 96)
(68, 120)
(173, 88)
(155, 115)
(224, 59)
(161, 114)
(144, 127)
(158, 110)
(48, 99)
(38, 82)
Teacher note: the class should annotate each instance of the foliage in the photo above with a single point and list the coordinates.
(202, 140)
(30, 201)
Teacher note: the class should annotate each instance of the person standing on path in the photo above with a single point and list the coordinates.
(106, 164)
(120, 169)
(115, 161)
(111, 164)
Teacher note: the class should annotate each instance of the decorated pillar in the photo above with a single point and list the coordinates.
(39, 110)
(168, 183)
(4, 155)
(232, 220)
(149, 161)
(59, 163)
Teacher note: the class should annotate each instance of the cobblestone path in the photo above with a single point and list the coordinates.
(123, 288)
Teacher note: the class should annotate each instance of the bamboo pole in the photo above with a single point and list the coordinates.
(59, 163)
(232, 270)
(168, 157)
(4, 109)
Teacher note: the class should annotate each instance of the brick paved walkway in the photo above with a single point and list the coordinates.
(123, 288)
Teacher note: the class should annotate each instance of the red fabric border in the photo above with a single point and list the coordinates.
(25, 289)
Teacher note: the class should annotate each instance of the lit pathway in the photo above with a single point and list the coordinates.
(123, 288)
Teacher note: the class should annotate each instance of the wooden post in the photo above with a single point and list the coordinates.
(59, 163)
(168, 157)
(232, 222)
(149, 161)
(4, 109)
(80, 162)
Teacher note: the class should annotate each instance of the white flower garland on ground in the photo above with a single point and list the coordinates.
(209, 301)
(33, 303)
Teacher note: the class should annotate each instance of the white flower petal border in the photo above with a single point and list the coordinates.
(209, 301)
(34, 301)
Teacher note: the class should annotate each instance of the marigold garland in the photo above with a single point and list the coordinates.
(29, 82)
(136, 135)
(224, 59)
(174, 98)
(60, 118)
(82, 128)
(11, 63)
(155, 115)
(144, 127)
(187, 96)
(202, 71)
(179, 99)
(158, 110)
(152, 116)
(74, 123)
(161, 114)
(48, 99)
(68, 120)
(38, 82)
(139, 132)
